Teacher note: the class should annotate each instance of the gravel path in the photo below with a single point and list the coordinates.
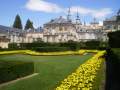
(14, 81)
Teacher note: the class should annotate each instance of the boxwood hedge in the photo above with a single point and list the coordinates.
(12, 70)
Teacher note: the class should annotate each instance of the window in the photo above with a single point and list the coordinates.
(34, 39)
(114, 27)
(108, 27)
(60, 28)
(118, 27)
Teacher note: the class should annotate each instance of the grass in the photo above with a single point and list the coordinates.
(99, 83)
(52, 70)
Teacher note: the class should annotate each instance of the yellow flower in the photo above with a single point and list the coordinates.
(84, 76)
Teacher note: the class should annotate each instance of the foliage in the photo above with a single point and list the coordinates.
(114, 39)
(29, 25)
(70, 45)
(112, 69)
(12, 70)
(92, 44)
(51, 49)
(17, 22)
(13, 46)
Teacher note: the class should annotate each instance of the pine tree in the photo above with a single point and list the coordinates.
(17, 22)
(29, 25)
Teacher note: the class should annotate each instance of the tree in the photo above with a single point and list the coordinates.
(17, 22)
(29, 25)
(114, 39)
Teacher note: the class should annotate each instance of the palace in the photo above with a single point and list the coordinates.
(64, 29)
(113, 23)
(56, 30)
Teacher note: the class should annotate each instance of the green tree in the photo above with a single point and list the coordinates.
(17, 22)
(29, 25)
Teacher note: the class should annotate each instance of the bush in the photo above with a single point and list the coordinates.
(113, 69)
(73, 46)
(50, 49)
(92, 44)
(13, 46)
(12, 70)
(114, 39)
(70, 45)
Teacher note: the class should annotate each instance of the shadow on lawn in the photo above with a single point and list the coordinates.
(112, 71)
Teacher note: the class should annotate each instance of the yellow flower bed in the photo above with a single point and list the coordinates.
(12, 52)
(51, 53)
(46, 53)
(83, 78)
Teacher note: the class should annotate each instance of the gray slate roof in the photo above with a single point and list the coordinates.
(5, 30)
(114, 18)
(59, 20)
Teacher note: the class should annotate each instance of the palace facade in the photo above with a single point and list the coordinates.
(56, 30)
(63, 29)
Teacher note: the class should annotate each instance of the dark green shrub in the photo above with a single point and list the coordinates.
(70, 45)
(114, 39)
(50, 49)
(112, 69)
(13, 46)
(12, 70)
(92, 44)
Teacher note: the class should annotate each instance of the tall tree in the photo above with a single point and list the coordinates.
(17, 22)
(29, 25)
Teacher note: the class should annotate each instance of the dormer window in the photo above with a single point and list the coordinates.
(51, 20)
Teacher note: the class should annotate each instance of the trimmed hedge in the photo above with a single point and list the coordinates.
(114, 39)
(51, 49)
(113, 69)
(70, 46)
(13, 70)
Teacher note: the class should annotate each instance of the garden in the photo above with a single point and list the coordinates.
(63, 66)
(76, 70)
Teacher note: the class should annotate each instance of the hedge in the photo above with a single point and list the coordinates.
(13, 70)
(114, 39)
(51, 49)
(113, 69)
(71, 46)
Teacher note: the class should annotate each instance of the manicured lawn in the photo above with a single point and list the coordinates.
(51, 69)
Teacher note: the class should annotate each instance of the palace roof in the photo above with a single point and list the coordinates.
(5, 30)
(114, 18)
(59, 20)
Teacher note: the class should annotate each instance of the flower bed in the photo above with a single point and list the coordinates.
(83, 78)
(13, 52)
(80, 52)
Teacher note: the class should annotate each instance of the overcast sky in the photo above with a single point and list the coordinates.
(42, 11)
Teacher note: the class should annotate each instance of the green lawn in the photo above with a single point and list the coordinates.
(51, 69)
